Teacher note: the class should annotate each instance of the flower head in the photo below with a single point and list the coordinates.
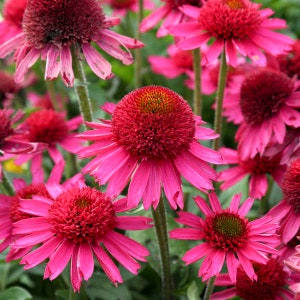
(152, 138)
(269, 102)
(227, 236)
(73, 225)
(171, 14)
(51, 29)
(49, 128)
(258, 168)
(239, 25)
(287, 212)
(11, 25)
(271, 282)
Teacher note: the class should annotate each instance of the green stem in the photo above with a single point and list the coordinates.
(6, 186)
(72, 295)
(52, 94)
(220, 95)
(160, 221)
(197, 84)
(209, 288)
(138, 54)
(81, 88)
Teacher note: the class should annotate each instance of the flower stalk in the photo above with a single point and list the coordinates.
(219, 101)
(6, 186)
(209, 288)
(197, 83)
(138, 54)
(81, 89)
(160, 222)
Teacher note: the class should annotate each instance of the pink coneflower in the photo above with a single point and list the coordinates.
(122, 7)
(269, 103)
(153, 139)
(9, 208)
(288, 210)
(258, 168)
(170, 13)
(177, 63)
(73, 225)
(52, 28)
(238, 25)
(227, 236)
(10, 141)
(11, 25)
(49, 128)
(293, 262)
(271, 283)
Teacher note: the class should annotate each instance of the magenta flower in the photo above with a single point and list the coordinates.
(10, 137)
(269, 103)
(9, 209)
(52, 28)
(11, 25)
(271, 283)
(75, 224)
(227, 236)
(50, 129)
(258, 168)
(238, 25)
(287, 212)
(170, 13)
(293, 262)
(152, 139)
(177, 63)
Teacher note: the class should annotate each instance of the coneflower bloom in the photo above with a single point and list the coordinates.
(257, 168)
(11, 25)
(293, 262)
(52, 28)
(9, 208)
(287, 211)
(177, 63)
(170, 13)
(269, 103)
(238, 25)
(50, 129)
(75, 224)
(271, 283)
(226, 235)
(10, 141)
(152, 138)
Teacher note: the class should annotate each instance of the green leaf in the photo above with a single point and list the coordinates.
(193, 292)
(15, 293)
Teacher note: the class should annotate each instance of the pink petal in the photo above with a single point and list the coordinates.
(31, 225)
(107, 264)
(232, 265)
(99, 65)
(38, 255)
(59, 260)
(11, 45)
(85, 261)
(171, 182)
(245, 207)
(203, 206)
(138, 184)
(205, 153)
(53, 66)
(66, 66)
(151, 20)
(196, 253)
(186, 234)
(258, 186)
(193, 42)
(133, 223)
(28, 61)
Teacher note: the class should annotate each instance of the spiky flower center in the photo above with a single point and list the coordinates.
(226, 231)
(26, 193)
(271, 277)
(291, 185)
(261, 164)
(82, 214)
(61, 21)
(5, 126)
(183, 59)
(153, 122)
(13, 11)
(263, 93)
(46, 126)
(229, 18)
